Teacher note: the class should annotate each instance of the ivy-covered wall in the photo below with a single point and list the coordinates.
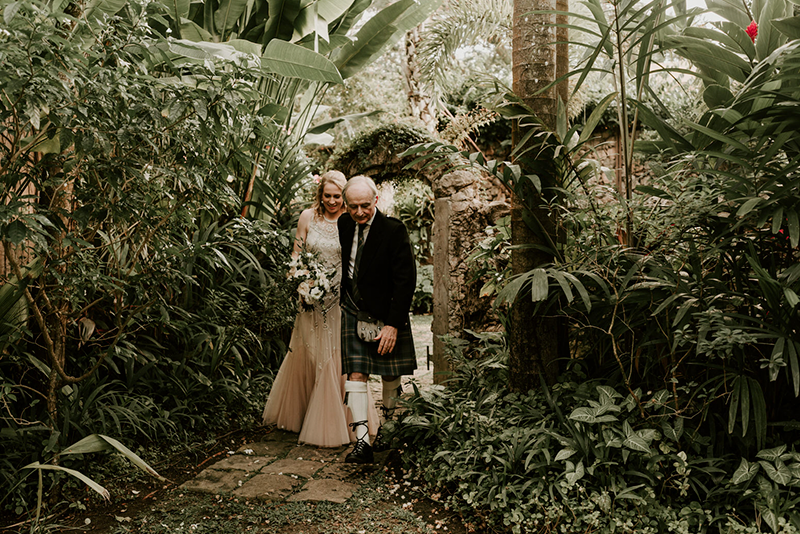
(376, 153)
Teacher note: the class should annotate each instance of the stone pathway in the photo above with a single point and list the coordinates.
(278, 469)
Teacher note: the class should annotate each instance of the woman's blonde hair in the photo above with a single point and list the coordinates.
(331, 177)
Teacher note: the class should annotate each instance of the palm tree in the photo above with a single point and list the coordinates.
(540, 58)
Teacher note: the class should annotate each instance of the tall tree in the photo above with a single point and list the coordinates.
(540, 58)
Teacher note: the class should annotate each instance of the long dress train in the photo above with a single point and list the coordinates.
(307, 395)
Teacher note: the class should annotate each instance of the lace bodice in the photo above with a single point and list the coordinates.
(323, 238)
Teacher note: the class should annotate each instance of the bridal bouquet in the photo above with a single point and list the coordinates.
(315, 280)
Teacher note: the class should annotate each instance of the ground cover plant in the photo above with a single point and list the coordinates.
(582, 456)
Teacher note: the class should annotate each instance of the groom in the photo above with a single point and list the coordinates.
(379, 277)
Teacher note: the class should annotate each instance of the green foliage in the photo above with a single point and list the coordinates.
(685, 288)
(690, 284)
(423, 294)
(581, 457)
(413, 204)
(490, 261)
(376, 152)
(142, 314)
(481, 26)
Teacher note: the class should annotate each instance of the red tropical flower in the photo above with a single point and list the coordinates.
(752, 31)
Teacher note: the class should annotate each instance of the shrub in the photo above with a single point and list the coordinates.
(582, 457)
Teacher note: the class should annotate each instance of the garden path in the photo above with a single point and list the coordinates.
(276, 468)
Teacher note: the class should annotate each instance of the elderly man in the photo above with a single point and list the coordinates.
(378, 282)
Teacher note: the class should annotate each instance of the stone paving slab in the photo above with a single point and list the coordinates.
(276, 468)
(305, 452)
(302, 468)
(325, 489)
(241, 462)
(309, 473)
(268, 487)
(267, 448)
(340, 470)
(213, 481)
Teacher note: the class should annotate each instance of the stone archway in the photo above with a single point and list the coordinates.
(465, 205)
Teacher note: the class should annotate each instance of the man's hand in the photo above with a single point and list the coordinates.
(387, 338)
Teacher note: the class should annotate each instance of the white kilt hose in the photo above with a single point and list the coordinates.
(362, 357)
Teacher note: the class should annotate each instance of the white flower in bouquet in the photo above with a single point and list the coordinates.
(316, 293)
(314, 279)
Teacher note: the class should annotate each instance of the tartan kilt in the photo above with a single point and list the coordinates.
(362, 357)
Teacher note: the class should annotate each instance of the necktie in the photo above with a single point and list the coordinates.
(359, 250)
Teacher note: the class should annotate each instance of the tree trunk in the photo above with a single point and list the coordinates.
(536, 341)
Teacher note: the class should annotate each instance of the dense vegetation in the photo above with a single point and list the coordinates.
(677, 409)
(151, 168)
(151, 180)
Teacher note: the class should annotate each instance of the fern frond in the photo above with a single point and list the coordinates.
(464, 124)
(466, 22)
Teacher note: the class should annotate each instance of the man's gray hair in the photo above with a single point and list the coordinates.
(360, 179)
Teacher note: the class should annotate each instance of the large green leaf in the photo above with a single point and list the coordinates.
(280, 25)
(294, 61)
(245, 46)
(309, 22)
(509, 293)
(414, 16)
(769, 39)
(351, 16)
(12, 291)
(192, 32)
(731, 10)
(331, 10)
(98, 9)
(596, 117)
(77, 474)
(636, 443)
(789, 26)
(202, 50)
(759, 406)
(778, 471)
(370, 41)
(177, 9)
(772, 454)
(713, 134)
(744, 472)
(712, 57)
(539, 285)
(228, 13)
(99, 442)
(315, 17)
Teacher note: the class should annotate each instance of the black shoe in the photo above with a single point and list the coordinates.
(361, 454)
(380, 444)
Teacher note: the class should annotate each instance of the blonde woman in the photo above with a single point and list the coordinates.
(308, 392)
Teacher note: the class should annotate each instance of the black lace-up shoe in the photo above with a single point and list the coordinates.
(361, 454)
(380, 443)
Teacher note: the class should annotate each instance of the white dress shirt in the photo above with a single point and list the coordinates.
(352, 264)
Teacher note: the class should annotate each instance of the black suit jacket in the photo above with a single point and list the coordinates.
(387, 275)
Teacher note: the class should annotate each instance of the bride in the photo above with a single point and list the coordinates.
(308, 392)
